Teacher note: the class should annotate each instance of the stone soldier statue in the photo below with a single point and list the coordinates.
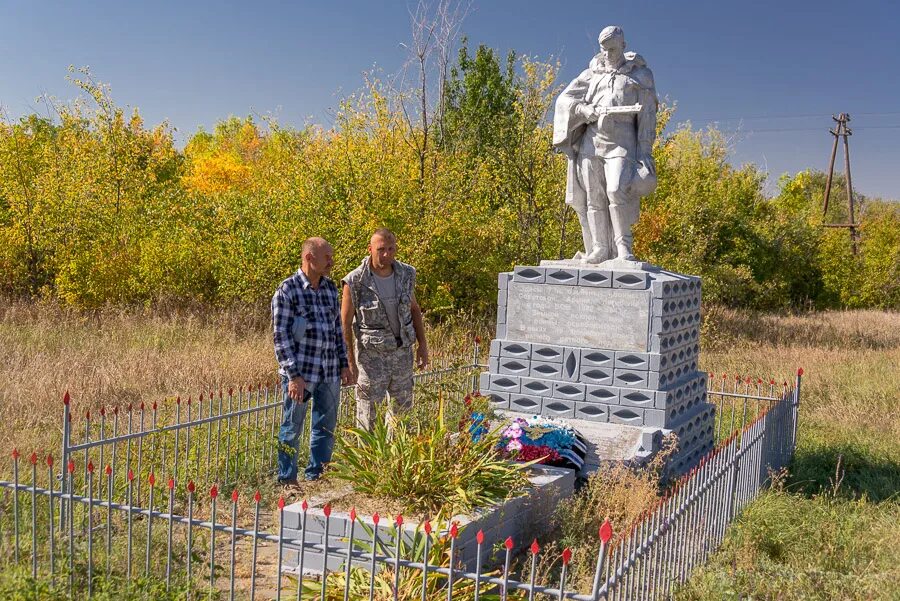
(379, 309)
(605, 124)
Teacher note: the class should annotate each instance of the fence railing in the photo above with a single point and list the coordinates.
(689, 522)
(176, 532)
(223, 435)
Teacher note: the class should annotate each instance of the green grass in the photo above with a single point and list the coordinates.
(828, 533)
(789, 546)
(831, 530)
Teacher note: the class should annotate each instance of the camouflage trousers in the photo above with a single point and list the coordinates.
(383, 372)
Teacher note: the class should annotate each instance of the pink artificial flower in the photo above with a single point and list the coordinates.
(513, 431)
(514, 445)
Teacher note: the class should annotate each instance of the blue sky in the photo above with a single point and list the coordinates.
(769, 73)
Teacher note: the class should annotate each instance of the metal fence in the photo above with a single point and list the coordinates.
(223, 436)
(689, 522)
(131, 523)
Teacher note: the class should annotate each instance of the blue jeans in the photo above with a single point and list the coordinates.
(325, 399)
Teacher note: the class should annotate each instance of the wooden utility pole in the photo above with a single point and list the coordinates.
(842, 131)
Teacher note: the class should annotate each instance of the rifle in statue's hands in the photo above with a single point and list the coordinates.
(594, 113)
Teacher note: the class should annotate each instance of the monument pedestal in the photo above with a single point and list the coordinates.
(616, 347)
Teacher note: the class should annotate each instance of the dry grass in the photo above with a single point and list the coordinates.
(850, 413)
(831, 531)
(114, 357)
(117, 356)
(850, 398)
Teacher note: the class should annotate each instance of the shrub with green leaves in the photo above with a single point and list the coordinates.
(428, 465)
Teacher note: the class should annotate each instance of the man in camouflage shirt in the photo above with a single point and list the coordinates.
(379, 309)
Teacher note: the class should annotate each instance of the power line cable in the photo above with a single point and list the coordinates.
(800, 116)
(798, 129)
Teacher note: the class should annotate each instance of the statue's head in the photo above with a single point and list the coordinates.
(612, 45)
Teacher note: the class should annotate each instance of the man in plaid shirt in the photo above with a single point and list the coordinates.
(312, 359)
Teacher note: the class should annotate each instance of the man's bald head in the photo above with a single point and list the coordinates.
(317, 256)
(313, 244)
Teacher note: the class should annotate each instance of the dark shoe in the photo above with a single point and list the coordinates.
(288, 482)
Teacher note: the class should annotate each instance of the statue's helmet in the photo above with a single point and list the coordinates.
(613, 31)
(644, 180)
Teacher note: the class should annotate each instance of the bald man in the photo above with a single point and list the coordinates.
(312, 359)
(379, 310)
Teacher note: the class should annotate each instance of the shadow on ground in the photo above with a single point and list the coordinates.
(844, 470)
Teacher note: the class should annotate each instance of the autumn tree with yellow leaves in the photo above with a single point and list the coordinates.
(97, 208)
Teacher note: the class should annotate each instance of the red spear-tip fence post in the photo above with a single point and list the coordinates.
(102, 449)
(535, 549)
(51, 540)
(70, 468)
(115, 446)
(140, 451)
(151, 480)
(34, 460)
(398, 535)
(90, 526)
(130, 408)
(375, 519)
(67, 419)
(228, 432)
(218, 435)
(479, 540)
(129, 495)
(234, 510)
(177, 441)
(213, 494)
(427, 529)
(256, 499)
(109, 518)
(349, 558)
(87, 439)
(15, 458)
(566, 558)
(304, 506)
(605, 534)
(327, 511)
(187, 444)
(171, 486)
(454, 533)
(508, 545)
(281, 550)
(191, 487)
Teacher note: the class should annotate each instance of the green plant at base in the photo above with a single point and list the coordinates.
(409, 584)
(428, 465)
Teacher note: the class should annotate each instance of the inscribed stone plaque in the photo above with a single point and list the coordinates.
(605, 318)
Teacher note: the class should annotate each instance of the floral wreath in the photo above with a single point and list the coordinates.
(536, 438)
(549, 440)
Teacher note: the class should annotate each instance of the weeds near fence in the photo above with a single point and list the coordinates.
(619, 493)
(428, 465)
(97, 529)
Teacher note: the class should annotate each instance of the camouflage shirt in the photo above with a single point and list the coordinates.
(371, 325)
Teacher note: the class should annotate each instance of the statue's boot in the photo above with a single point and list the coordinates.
(600, 228)
(597, 255)
(586, 237)
(623, 217)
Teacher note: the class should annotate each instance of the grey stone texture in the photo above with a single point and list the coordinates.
(516, 517)
(606, 346)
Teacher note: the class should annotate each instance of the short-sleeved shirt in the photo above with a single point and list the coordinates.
(306, 324)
